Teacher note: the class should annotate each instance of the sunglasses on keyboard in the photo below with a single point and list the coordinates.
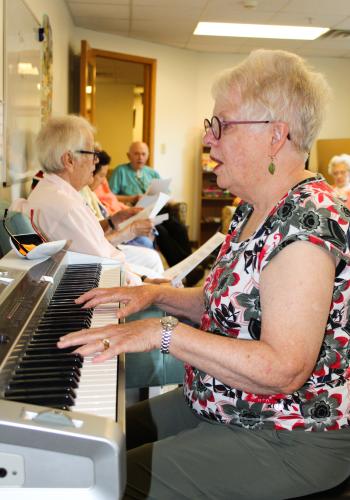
(24, 243)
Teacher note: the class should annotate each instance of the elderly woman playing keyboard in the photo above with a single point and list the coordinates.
(264, 410)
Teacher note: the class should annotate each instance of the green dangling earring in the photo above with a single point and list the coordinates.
(272, 166)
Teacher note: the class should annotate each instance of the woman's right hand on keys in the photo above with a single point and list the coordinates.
(134, 298)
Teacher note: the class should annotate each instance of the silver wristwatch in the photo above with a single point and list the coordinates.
(168, 324)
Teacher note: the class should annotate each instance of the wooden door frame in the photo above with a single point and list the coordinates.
(150, 70)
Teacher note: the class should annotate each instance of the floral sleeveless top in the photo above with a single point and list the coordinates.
(308, 212)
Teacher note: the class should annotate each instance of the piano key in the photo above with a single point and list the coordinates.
(64, 402)
(59, 374)
(46, 370)
(57, 356)
(97, 386)
(41, 391)
(48, 350)
(42, 382)
(35, 363)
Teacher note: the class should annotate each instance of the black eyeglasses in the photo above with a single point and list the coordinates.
(86, 152)
(216, 126)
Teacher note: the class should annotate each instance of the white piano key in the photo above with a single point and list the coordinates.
(97, 391)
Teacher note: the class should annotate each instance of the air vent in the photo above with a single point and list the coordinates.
(336, 34)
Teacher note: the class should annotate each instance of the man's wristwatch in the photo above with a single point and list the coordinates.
(168, 324)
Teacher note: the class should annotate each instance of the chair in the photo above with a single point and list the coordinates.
(340, 492)
(226, 217)
(178, 210)
(150, 369)
(17, 223)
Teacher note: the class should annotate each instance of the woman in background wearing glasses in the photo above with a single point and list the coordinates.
(339, 169)
(264, 410)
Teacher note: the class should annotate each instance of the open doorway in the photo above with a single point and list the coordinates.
(119, 106)
(117, 94)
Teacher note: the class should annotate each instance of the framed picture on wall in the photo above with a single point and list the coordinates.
(22, 94)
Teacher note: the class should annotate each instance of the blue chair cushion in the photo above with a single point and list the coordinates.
(147, 369)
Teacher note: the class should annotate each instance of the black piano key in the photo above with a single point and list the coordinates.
(52, 334)
(41, 391)
(46, 343)
(48, 350)
(43, 382)
(62, 322)
(46, 370)
(74, 358)
(65, 316)
(33, 363)
(45, 374)
(58, 307)
(49, 341)
(63, 401)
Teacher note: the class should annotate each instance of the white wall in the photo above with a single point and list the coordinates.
(62, 32)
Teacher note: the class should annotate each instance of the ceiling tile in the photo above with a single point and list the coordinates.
(107, 2)
(104, 24)
(273, 44)
(178, 28)
(234, 8)
(313, 7)
(344, 24)
(161, 14)
(180, 4)
(162, 37)
(248, 17)
(322, 19)
(305, 52)
(107, 11)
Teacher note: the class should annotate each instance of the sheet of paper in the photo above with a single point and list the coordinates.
(158, 186)
(158, 219)
(180, 270)
(147, 213)
(146, 200)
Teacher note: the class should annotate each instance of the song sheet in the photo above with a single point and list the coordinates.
(180, 270)
(148, 212)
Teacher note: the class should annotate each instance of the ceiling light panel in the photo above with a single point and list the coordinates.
(259, 31)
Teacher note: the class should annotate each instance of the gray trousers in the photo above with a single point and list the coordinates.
(172, 455)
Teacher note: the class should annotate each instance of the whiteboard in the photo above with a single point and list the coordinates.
(20, 116)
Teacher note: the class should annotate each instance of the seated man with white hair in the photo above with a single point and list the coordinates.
(66, 152)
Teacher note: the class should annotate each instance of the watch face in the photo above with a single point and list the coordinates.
(169, 321)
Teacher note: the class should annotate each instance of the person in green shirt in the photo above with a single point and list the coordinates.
(131, 180)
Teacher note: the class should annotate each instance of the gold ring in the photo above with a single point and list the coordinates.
(106, 344)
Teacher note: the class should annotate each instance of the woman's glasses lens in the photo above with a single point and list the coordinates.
(207, 125)
(214, 125)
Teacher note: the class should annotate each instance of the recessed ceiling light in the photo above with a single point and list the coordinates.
(259, 31)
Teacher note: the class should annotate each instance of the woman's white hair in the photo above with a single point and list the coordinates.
(59, 135)
(278, 86)
(343, 158)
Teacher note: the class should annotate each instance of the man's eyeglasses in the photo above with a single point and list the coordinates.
(216, 126)
(86, 152)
